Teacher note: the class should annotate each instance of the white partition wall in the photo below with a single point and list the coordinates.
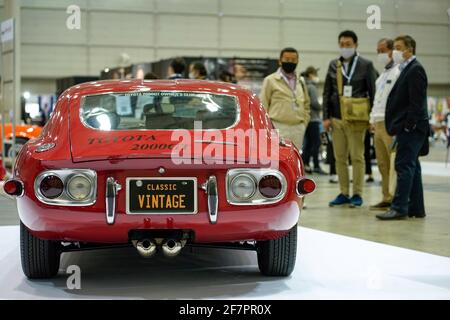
(148, 30)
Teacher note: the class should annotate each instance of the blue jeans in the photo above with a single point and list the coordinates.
(408, 196)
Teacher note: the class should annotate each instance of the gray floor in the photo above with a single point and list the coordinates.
(329, 266)
(430, 235)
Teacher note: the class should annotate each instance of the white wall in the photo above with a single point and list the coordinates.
(149, 30)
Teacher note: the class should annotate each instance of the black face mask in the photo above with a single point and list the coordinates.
(288, 67)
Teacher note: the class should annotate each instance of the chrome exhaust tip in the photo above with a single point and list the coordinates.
(171, 247)
(145, 247)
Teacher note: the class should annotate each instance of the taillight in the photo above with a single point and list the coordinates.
(13, 188)
(305, 186)
(66, 187)
(243, 186)
(79, 187)
(270, 186)
(51, 187)
(250, 186)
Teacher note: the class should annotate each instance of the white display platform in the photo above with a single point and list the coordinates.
(329, 266)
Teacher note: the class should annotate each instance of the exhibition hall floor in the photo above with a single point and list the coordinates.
(329, 266)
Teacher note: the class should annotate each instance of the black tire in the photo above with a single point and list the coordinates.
(20, 142)
(40, 258)
(277, 257)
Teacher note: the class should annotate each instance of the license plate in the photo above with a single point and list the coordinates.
(161, 195)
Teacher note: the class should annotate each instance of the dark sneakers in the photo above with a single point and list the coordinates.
(383, 205)
(356, 201)
(340, 200)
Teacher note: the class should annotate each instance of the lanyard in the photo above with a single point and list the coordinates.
(287, 82)
(294, 91)
(352, 71)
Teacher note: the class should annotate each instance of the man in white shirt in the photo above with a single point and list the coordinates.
(383, 141)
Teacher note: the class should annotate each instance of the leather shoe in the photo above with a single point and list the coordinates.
(417, 215)
(391, 214)
(383, 205)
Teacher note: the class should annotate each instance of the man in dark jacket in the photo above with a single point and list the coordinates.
(358, 82)
(407, 119)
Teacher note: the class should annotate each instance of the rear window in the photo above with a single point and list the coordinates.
(158, 110)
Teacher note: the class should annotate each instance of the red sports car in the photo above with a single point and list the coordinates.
(159, 165)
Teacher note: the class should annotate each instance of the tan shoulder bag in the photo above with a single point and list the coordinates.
(353, 110)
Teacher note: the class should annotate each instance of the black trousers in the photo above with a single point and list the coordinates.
(312, 143)
(408, 196)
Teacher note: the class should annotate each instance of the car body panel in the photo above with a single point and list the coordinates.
(114, 159)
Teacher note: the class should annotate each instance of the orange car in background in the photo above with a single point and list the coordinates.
(2, 170)
(23, 134)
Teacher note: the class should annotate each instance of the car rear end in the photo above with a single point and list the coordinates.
(140, 171)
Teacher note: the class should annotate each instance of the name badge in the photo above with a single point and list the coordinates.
(347, 91)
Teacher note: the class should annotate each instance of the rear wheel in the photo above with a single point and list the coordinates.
(40, 258)
(277, 257)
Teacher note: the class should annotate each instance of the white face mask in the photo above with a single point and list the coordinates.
(383, 58)
(347, 52)
(315, 80)
(191, 75)
(397, 56)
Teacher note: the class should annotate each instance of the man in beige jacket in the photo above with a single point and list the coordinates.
(286, 100)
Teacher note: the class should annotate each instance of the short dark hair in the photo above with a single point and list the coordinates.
(226, 76)
(178, 65)
(288, 49)
(389, 43)
(409, 42)
(348, 34)
(200, 67)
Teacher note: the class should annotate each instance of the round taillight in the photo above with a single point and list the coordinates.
(13, 187)
(79, 187)
(305, 186)
(270, 186)
(51, 187)
(243, 186)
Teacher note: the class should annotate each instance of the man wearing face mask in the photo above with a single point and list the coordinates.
(197, 70)
(383, 141)
(348, 95)
(407, 120)
(286, 100)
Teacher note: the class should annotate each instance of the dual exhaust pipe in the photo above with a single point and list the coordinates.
(147, 247)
